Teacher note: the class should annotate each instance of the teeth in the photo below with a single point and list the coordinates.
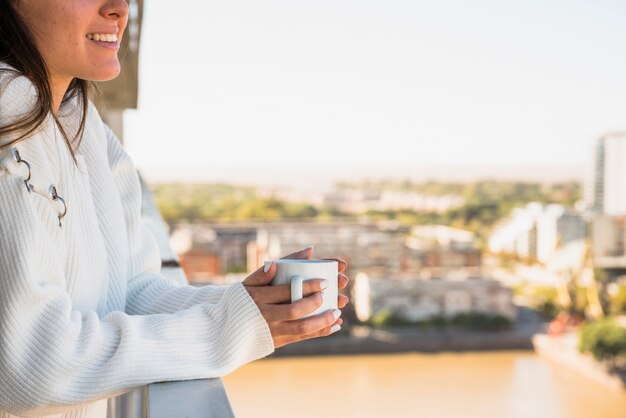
(104, 37)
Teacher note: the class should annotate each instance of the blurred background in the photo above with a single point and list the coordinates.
(468, 159)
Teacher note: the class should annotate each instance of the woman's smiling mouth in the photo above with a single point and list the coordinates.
(102, 37)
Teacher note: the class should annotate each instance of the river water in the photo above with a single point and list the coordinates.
(472, 385)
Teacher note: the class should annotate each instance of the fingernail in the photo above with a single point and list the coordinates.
(267, 267)
(335, 328)
(337, 313)
(324, 284)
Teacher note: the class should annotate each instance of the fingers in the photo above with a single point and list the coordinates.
(342, 281)
(314, 285)
(293, 311)
(310, 325)
(288, 339)
(262, 276)
(342, 301)
(324, 332)
(305, 254)
(341, 265)
(282, 293)
(288, 312)
(281, 340)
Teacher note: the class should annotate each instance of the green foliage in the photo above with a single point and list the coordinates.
(237, 268)
(605, 339)
(617, 301)
(507, 260)
(226, 202)
(483, 191)
(437, 322)
(543, 299)
(548, 309)
(544, 293)
(465, 321)
(385, 318)
(480, 322)
(484, 202)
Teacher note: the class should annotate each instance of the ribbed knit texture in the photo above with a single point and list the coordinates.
(84, 313)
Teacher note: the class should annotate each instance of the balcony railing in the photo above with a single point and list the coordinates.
(205, 398)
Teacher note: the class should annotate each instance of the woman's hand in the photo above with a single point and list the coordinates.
(285, 319)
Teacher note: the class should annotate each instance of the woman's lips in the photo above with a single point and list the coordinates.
(110, 45)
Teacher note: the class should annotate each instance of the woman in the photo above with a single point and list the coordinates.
(84, 313)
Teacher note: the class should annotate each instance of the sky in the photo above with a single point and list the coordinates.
(283, 90)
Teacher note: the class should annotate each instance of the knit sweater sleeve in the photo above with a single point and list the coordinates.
(53, 357)
(148, 291)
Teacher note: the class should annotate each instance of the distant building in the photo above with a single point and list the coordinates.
(606, 188)
(537, 231)
(207, 251)
(211, 250)
(608, 244)
(607, 236)
(605, 196)
(363, 245)
(382, 249)
(441, 251)
(571, 227)
(415, 299)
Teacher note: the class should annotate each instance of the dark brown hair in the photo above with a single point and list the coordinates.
(19, 51)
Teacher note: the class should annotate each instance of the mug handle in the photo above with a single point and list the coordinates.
(296, 288)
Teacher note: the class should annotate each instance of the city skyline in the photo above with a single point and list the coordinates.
(373, 85)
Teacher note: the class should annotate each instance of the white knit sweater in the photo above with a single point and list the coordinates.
(84, 313)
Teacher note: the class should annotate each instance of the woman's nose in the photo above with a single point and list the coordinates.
(115, 8)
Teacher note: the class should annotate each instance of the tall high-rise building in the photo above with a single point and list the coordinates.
(606, 189)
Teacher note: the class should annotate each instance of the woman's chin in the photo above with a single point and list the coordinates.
(104, 73)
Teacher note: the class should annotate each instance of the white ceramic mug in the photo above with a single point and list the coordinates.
(296, 272)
